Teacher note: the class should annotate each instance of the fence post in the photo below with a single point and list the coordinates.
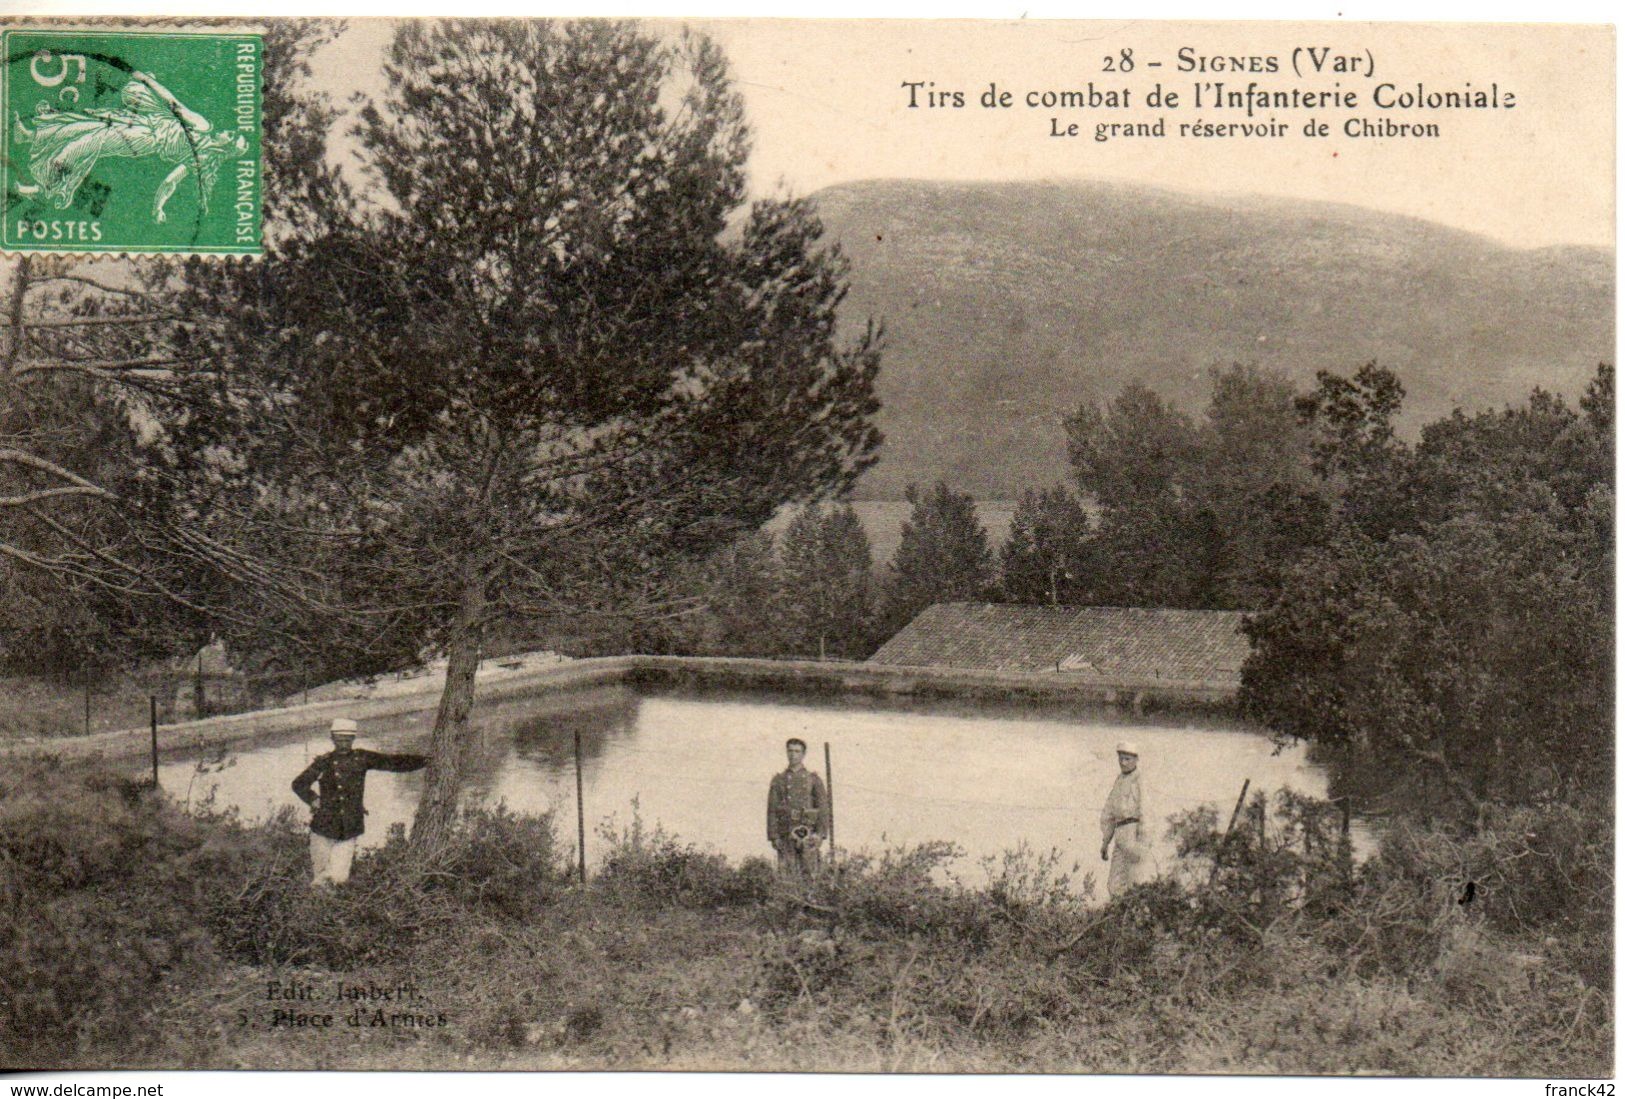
(1241, 799)
(152, 706)
(581, 819)
(1225, 839)
(87, 703)
(1346, 845)
(829, 790)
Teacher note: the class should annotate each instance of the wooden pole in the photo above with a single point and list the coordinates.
(152, 708)
(581, 819)
(1225, 839)
(87, 703)
(1345, 852)
(1236, 812)
(829, 789)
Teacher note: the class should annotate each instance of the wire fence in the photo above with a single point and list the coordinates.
(80, 706)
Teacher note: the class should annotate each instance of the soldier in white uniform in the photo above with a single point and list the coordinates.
(1123, 834)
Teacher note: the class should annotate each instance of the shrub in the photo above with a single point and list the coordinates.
(650, 867)
(82, 972)
(1031, 891)
(1542, 874)
(91, 924)
(901, 890)
(385, 912)
(1292, 862)
(111, 900)
(494, 862)
(72, 828)
(503, 862)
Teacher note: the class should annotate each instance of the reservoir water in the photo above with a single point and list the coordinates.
(986, 776)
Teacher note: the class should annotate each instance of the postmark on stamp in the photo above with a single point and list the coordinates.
(118, 141)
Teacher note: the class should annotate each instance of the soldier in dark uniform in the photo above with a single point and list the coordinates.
(797, 814)
(337, 816)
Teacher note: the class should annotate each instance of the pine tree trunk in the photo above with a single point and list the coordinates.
(448, 745)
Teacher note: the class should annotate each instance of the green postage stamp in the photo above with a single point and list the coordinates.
(118, 141)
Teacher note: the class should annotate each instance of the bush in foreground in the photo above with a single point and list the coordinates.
(99, 886)
(496, 864)
(1270, 951)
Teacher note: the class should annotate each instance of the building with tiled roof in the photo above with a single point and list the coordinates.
(1120, 646)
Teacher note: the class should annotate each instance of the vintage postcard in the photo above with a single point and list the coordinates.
(807, 546)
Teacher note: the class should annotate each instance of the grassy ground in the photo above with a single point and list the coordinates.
(686, 990)
(137, 937)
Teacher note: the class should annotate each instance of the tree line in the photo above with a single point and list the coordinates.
(1163, 510)
(1439, 609)
(814, 591)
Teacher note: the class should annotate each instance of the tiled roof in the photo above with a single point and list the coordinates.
(1125, 645)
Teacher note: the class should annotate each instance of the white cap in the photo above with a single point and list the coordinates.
(343, 726)
(1128, 747)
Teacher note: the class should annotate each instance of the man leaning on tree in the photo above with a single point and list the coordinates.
(338, 813)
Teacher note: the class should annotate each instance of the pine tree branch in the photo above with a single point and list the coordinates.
(48, 494)
(34, 461)
(91, 322)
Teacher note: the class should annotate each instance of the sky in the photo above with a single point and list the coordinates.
(826, 102)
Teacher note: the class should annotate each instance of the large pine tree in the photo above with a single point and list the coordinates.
(547, 351)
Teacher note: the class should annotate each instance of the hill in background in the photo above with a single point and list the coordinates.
(1007, 304)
